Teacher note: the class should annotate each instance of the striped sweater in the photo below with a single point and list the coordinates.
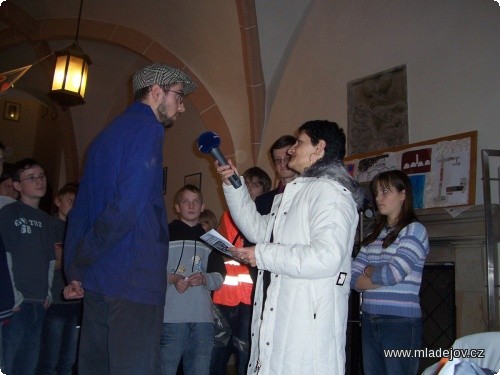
(397, 268)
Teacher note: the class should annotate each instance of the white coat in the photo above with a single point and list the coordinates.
(303, 329)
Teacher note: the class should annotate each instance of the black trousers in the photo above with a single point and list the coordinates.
(119, 337)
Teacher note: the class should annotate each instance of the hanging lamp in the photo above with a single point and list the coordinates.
(70, 76)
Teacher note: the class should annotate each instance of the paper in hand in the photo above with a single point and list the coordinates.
(217, 241)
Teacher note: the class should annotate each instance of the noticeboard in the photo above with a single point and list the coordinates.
(442, 170)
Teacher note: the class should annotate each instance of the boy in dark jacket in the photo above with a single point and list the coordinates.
(193, 272)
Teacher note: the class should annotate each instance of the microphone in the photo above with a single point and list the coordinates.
(209, 143)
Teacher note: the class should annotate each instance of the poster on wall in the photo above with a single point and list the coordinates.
(442, 170)
(377, 111)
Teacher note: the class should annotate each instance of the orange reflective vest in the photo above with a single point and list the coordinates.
(237, 286)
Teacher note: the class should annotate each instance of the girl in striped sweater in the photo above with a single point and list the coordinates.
(388, 271)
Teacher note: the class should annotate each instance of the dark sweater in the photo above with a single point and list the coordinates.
(178, 231)
(6, 291)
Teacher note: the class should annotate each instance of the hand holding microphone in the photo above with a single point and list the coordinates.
(208, 143)
(227, 172)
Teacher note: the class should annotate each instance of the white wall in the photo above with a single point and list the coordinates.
(450, 48)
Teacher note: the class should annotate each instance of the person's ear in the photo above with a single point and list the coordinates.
(17, 185)
(320, 148)
(57, 202)
(156, 92)
(202, 207)
(177, 208)
(403, 195)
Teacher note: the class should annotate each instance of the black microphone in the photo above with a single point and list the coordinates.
(209, 143)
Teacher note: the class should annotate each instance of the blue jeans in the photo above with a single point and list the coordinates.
(239, 318)
(21, 339)
(59, 340)
(193, 342)
(381, 332)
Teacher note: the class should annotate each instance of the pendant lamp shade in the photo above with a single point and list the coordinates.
(70, 75)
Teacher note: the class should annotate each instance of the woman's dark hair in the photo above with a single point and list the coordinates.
(331, 133)
(398, 180)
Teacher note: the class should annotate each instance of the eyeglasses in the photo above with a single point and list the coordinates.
(284, 160)
(180, 95)
(32, 179)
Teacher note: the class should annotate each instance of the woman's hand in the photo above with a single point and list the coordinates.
(364, 281)
(244, 254)
(226, 171)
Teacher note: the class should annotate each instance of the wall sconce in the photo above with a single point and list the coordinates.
(12, 111)
(70, 76)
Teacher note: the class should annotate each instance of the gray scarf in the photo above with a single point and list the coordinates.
(335, 170)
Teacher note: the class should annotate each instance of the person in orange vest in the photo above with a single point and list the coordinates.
(234, 298)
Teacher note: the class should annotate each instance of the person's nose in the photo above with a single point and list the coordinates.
(181, 108)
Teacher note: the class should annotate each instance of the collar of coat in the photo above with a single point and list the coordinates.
(335, 170)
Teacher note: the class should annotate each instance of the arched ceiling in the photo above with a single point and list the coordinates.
(218, 42)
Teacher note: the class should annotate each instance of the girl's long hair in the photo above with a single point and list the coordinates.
(398, 180)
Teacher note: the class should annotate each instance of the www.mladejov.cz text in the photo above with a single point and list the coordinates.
(434, 353)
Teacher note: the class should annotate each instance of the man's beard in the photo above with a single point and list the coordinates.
(164, 119)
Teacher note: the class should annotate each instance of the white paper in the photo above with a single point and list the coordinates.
(217, 241)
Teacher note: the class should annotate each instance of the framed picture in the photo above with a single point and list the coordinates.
(11, 111)
(193, 179)
(164, 180)
(377, 111)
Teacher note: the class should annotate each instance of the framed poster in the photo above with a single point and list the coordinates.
(193, 179)
(377, 111)
(442, 170)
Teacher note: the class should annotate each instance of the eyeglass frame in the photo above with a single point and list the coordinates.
(180, 95)
(33, 179)
(280, 161)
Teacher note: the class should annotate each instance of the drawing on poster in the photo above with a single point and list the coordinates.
(442, 170)
(370, 167)
(448, 180)
(418, 185)
(416, 161)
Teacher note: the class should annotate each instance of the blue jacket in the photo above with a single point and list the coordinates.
(117, 236)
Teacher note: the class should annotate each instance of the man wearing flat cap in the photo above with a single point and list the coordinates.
(116, 246)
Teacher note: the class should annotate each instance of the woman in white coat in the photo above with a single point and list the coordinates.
(306, 243)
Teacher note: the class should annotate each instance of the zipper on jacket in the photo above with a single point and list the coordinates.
(257, 367)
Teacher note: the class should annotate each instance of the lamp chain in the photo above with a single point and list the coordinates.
(78, 24)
